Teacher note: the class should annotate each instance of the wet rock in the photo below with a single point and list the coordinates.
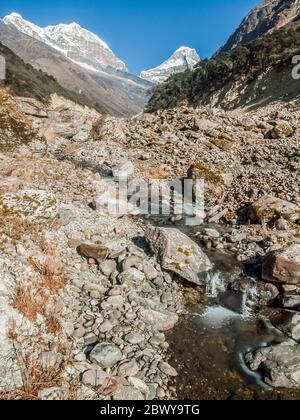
(270, 208)
(105, 355)
(283, 266)
(161, 321)
(287, 321)
(291, 302)
(280, 365)
(178, 253)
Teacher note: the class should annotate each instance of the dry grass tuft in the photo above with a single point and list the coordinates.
(28, 301)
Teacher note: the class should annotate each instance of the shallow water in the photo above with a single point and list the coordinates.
(208, 349)
(209, 345)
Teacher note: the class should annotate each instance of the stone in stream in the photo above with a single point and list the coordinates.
(291, 302)
(285, 320)
(178, 253)
(280, 365)
(283, 266)
(105, 355)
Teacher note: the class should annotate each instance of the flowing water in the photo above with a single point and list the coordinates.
(209, 345)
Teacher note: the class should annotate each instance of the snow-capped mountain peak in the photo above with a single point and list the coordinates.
(182, 59)
(75, 42)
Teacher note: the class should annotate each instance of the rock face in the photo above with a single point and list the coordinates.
(280, 365)
(183, 59)
(178, 253)
(269, 16)
(283, 266)
(270, 208)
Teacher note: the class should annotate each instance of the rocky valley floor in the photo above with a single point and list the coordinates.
(88, 301)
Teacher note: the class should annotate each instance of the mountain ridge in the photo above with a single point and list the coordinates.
(115, 91)
(76, 43)
(269, 16)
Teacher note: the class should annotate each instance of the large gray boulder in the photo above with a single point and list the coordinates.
(178, 253)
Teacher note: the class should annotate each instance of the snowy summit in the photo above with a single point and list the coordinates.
(75, 42)
(184, 58)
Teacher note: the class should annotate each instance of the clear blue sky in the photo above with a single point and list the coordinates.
(143, 33)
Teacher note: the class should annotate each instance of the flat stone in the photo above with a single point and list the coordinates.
(132, 262)
(291, 302)
(94, 377)
(134, 338)
(160, 321)
(128, 369)
(167, 369)
(113, 302)
(105, 355)
(212, 233)
(95, 252)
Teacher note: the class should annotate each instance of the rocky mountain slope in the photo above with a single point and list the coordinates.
(244, 77)
(24, 80)
(96, 72)
(269, 16)
(181, 60)
(87, 296)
